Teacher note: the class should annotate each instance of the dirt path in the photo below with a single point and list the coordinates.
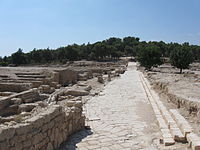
(120, 118)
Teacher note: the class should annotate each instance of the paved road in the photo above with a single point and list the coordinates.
(120, 118)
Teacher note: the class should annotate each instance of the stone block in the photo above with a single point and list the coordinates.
(36, 121)
(23, 128)
(37, 139)
(17, 139)
(181, 122)
(186, 129)
(177, 135)
(79, 104)
(26, 143)
(70, 103)
(54, 84)
(16, 101)
(27, 107)
(88, 88)
(168, 141)
(10, 110)
(18, 146)
(100, 79)
(4, 145)
(6, 133)
(162, 123)
(76, 92)
(49, 146)
(196, 145)
(46, 89)
(193, 138)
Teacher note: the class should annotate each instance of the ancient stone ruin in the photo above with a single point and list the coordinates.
(40, 107)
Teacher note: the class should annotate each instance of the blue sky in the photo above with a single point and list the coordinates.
(29, 24)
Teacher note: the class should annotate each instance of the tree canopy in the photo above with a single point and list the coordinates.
(150, 56)
(181, 57)
(19, 57)
(109, 49)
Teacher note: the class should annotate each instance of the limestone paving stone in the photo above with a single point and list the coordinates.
(168, 141)
(121, 121)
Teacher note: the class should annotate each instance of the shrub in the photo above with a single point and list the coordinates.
(3, 64)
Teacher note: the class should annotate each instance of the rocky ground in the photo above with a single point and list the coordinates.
(179, 90)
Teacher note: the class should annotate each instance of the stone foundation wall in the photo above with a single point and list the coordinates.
(14, 87)
(190, 106)
(45, 131)
(66, 77)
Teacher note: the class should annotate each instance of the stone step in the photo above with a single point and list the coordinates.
(167, 137)
(177, 135)
(28, 73)
(174, 130)
(194, 141)
(178, 127)
(31, 76)
(181, 122)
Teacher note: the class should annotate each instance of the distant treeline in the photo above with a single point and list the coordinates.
(109, 49)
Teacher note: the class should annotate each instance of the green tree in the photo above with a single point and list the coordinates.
(149, 57)
(2, 63)
(72, 52)
(100, 50)
(19, 57)
(181, 57)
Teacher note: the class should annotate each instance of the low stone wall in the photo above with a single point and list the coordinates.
(191, 106)
(26, 96)
(14, 87)
(45, 131)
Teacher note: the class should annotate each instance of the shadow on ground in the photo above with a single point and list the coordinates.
(75, 139)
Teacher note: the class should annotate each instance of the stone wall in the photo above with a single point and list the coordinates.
(66, 76)
(14, 87)
(46, 130)
(190, 106)
(7, 106)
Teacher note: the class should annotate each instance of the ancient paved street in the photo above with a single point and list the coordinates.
(120, 118)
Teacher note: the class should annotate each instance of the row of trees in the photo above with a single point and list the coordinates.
(112, 48)
(180, 57)
(109, 49)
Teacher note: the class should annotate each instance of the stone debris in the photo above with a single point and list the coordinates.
(88, 88)
(46, 89)
(42, 107)
(16, 101)
(100, 79)
(109, 77)
(74, 92)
